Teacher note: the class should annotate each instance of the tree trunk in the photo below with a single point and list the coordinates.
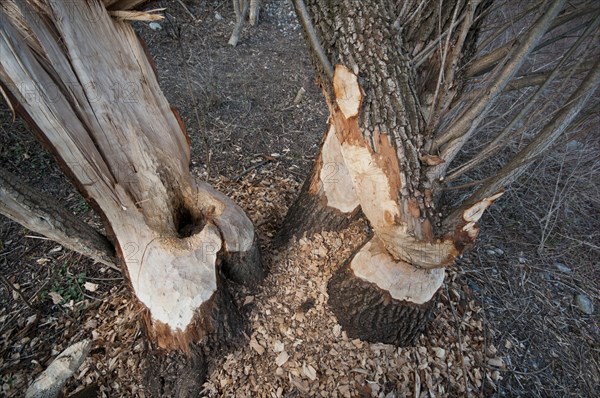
(327, 200)
(376, 124)
(386, 291)
(85, 85)
(381, 300)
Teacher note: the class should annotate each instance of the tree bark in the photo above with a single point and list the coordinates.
(378, 111)
(379, 300)
(85, 85)
(42, 214)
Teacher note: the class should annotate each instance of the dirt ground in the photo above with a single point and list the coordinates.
(507, 321)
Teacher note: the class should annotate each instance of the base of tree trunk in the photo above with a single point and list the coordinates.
(369, 313)
(173, 374)
(217, 319)
(309, 214)
(327, 200)
(228, 324)
(246, 267)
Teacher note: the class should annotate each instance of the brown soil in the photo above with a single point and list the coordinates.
(505, 325)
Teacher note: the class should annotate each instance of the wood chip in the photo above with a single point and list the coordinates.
(496, 362)
(256, 346)
(282, 358)
(309, 372)
(89, 286)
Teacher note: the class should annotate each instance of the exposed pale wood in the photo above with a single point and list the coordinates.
(235, 227)
(150, 15)
(473, 214)
(382, 139)
(97, 105)
(334, 176)
(370, 313)
(377, 182)
(403, 281)
(348, 94)
(327, 200)
(174, 277)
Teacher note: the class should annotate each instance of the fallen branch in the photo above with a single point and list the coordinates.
(268, 159)
(51, 381)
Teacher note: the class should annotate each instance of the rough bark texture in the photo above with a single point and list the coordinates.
(175, 375)
(369, 313)
(44, 215)
(391, 126)
(379, 103)
(241, 268)
(364, 40)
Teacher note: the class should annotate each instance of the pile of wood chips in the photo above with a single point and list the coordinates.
(119, 349)
(296, 346)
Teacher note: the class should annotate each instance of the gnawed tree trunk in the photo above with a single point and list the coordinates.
(392, 74)
(80, 77)
(327, 200)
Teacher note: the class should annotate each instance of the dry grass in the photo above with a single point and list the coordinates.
(547, 222)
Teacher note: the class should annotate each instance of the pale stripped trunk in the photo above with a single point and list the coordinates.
(84, 83)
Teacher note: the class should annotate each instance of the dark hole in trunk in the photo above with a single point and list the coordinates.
(187, 223)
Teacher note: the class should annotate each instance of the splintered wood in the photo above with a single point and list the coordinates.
(474, 213)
